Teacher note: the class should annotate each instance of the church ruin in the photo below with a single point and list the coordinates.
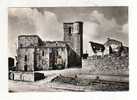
(35, 54)
(111, 46)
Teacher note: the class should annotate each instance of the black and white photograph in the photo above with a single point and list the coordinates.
(68, 49)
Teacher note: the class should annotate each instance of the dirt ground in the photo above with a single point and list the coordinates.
(47, 86)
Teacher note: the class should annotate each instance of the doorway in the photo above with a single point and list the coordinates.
(25, 68)
(53, 54)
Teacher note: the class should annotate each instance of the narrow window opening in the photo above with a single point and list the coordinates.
(25, 58)
(20, 45)
(69, 31)
(42, 53)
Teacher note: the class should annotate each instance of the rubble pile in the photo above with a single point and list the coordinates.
(92, 84)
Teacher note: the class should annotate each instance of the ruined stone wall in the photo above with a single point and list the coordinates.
(27, 45)
(28, 41)
(43, 57)
(29, 53)
(109, 64)
(51, 44)
(57, 47)
(63, 53)
(24, 76)
(74, 60)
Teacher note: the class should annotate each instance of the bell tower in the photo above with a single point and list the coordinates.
(68, 28)
(77, 37)
(73, 35)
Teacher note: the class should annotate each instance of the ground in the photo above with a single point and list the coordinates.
(48, 86)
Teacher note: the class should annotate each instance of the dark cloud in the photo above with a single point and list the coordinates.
(119, 13)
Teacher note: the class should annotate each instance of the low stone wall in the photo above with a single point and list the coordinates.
(108, 64)
(24, 76)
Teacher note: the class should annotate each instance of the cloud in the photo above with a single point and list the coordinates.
(89, 31)
(31, 21)
(99, 23)
(125, 28)
(47, 25)
(19, 22)
(99, 28)
(106, 27)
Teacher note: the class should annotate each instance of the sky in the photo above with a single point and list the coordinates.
(99, 23)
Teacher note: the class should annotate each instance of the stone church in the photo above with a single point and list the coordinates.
(35, 54)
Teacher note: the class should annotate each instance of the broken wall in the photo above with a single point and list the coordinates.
(109, 64)
(25, 57)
